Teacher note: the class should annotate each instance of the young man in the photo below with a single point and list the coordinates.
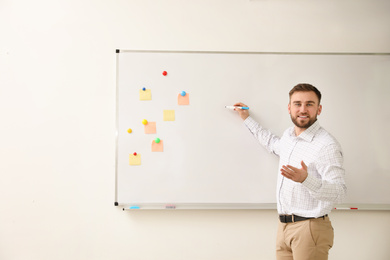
(311, 178)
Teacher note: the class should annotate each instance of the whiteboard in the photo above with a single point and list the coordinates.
(209, 158)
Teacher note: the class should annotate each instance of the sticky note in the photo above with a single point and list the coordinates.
(135, 159)
(145, 94)
(158, 147)
(150, 128)
(169, 115)
(183, 100)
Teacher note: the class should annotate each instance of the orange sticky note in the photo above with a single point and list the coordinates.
(150, 128)
(183, 100)
(158, 147)
(135, 159)
(169, 115)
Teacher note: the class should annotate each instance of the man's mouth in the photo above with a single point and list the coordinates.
(303, 117)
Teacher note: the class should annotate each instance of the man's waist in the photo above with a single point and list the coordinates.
(295, 218)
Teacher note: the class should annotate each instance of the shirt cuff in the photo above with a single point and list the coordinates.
(250, 122)
(312, 183)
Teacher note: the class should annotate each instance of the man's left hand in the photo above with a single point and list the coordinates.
(295, 174)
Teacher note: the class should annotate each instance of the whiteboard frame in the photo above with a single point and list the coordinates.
(222, 206)
(242, 206)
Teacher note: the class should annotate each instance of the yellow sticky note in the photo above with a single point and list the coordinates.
(158, 147)
(145, 94)
(135, 159)
(150, 128)
(183, 100)
(169, 115)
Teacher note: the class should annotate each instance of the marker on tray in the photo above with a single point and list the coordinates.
(134, 207)
(235, 107)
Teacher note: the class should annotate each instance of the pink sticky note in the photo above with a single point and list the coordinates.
(158, 147)
(150, 128)
(183, 100)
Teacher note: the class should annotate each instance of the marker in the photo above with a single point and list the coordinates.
(346, 208)
(170, 207)
(234, 107)
(134, 207)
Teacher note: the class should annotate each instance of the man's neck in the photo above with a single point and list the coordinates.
(299, 130)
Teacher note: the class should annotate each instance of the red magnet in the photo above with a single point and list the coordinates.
(165, 73)
(135, 154)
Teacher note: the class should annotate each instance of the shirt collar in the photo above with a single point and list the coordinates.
(309, 133)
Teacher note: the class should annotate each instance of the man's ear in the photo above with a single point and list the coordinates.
(319, 110)
(289, 108)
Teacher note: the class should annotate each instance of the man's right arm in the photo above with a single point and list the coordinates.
(264, 136)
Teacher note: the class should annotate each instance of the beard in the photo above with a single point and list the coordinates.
(303, 125)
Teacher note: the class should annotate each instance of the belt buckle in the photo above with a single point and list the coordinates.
(293, 218)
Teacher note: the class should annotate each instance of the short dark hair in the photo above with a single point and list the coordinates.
(306, 87)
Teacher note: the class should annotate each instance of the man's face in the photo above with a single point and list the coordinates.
(303, 108)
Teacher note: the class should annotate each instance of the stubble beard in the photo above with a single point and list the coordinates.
(303, 125)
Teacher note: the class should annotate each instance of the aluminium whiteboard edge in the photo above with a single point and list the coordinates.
(254, 52)
(227, 205)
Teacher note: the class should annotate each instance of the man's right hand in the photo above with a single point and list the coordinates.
(244, 113)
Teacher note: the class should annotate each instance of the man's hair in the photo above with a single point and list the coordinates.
(305, 87)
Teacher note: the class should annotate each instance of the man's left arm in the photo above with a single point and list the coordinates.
(331, 185)
(329, 165)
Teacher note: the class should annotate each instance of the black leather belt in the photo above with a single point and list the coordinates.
(294, 218)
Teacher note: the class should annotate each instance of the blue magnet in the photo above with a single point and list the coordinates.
(183, 93)
(143, 89)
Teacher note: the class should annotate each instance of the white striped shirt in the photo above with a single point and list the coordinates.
(325, 183)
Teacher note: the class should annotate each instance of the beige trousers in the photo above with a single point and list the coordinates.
(304, 240)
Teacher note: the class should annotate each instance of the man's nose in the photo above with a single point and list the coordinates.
(303, 108)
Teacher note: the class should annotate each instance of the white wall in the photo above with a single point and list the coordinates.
(57, 107)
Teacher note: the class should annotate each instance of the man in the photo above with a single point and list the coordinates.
(311, 178)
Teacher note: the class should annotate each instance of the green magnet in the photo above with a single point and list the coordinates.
(157, 140)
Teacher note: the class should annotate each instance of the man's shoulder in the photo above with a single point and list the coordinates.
(289, 131)
(325, 137)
